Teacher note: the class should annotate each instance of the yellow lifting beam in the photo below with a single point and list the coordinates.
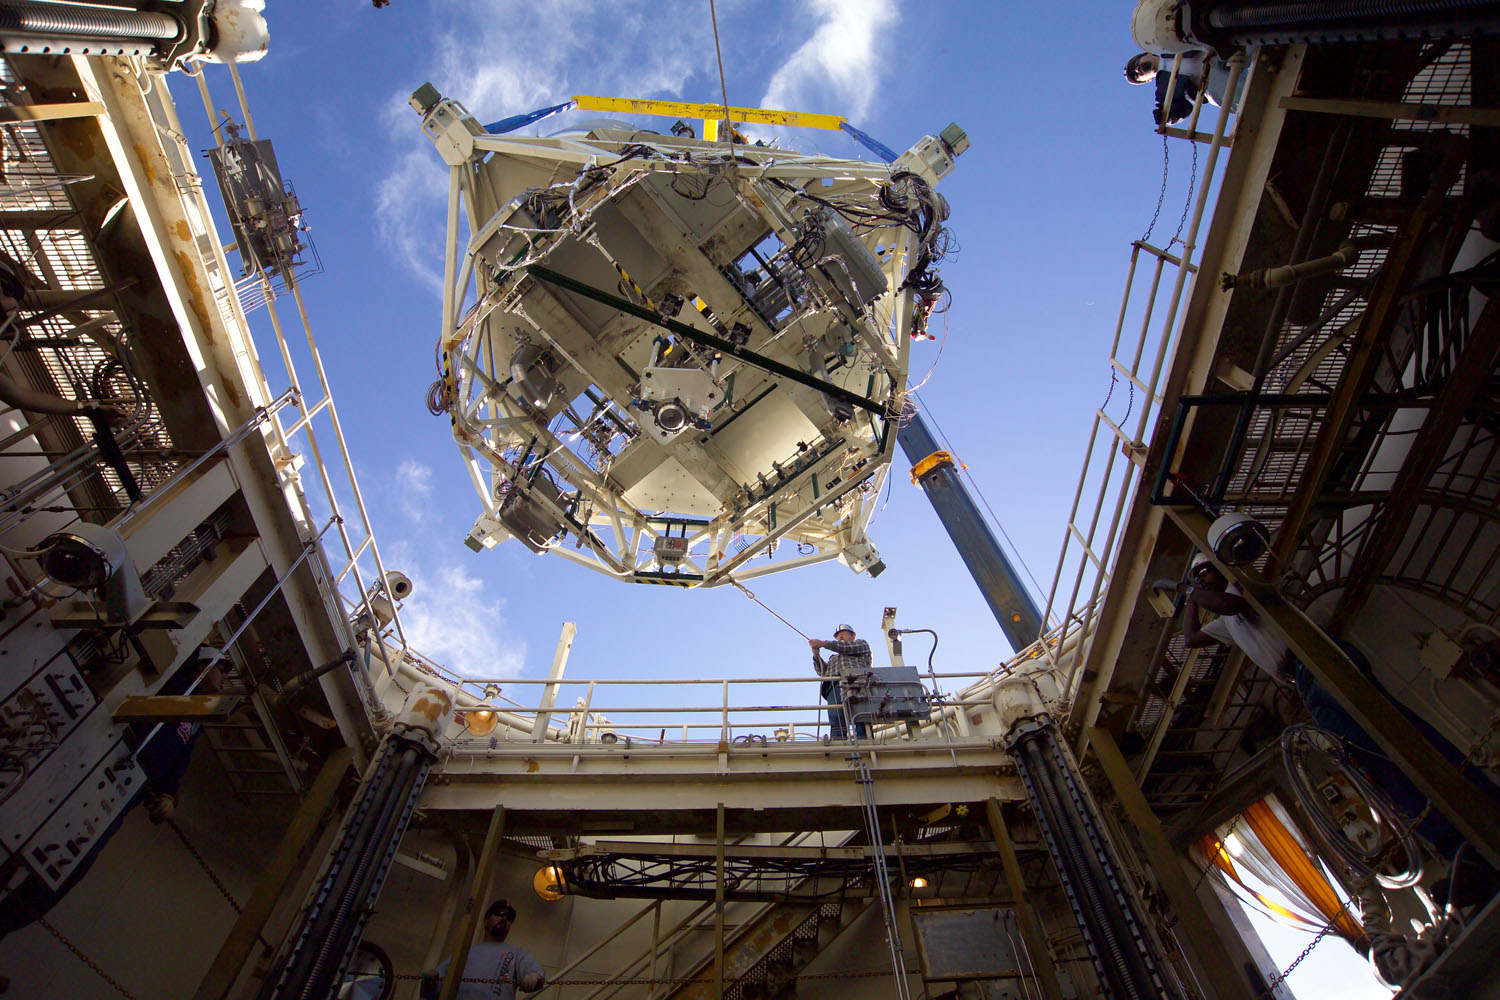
(710, 113)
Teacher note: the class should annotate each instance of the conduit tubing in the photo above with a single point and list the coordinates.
(68, 21)
(1278, 22)
(1290, 274)
(322, 937)
(1121, 948)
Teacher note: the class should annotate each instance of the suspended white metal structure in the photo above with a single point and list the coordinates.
(662, 356)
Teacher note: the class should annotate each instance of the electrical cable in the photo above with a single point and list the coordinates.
(723, 88)
(1296, 742)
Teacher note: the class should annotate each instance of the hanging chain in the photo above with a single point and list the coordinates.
(213, 877)
(1192, 183)
(1278, 978)
(78, 952)
(1166, 162)
(203, 863)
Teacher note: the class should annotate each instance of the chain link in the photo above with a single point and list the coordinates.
(648, 981)
(78, 952)
(1166, 163)
(203, 863)
(1280, 977)
(1192, 183)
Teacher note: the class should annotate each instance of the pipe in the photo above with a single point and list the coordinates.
(1290, 274)
(321, 937)
(68, 21)
(313, 922)
(294, 687)
(1124, 953)
(335, 945)
(987, 562)
(1228, 24)
(1100, 926)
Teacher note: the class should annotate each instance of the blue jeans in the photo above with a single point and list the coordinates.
(1330, 715)
(838, 724)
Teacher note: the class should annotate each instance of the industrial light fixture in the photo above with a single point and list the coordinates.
(919, 883)
(480, 721)
(1234, 845)
(1238, 539)
(548, 882)
(94, 558)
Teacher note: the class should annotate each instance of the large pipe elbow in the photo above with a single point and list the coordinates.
(1290, 274)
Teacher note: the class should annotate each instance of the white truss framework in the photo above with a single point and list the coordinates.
(679, 353)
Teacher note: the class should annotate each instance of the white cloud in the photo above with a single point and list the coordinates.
(452, 619)
(414, 489)
(839, 64)
(499, 61)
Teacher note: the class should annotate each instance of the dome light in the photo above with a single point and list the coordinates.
(548, 882)
(481, 721)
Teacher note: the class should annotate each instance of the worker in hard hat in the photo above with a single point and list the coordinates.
(494, 969)
(1240, 626)
(1198, 71)
(849, 654)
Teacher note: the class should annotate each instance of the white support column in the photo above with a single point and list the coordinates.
(549, 693)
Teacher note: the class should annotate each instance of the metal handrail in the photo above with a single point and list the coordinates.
(239, 434)
(1114, 487)
(230, 293)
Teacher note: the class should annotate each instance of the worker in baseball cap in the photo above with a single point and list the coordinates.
(849, 654)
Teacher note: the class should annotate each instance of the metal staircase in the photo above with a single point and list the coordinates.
(762, 959)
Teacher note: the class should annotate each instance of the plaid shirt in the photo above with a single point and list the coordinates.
(849, 655)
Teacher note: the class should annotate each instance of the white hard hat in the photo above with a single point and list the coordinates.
(1200, 560)
(843, 628)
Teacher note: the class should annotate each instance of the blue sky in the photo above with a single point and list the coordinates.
(1063, 173)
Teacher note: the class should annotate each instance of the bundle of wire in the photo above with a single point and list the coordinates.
(1298, 745)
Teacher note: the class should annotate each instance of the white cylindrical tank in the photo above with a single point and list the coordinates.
(240, 32)
(1155, 27)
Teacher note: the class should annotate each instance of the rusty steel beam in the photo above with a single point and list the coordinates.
(1471, 372)
(1375, 327)
(1470, 811)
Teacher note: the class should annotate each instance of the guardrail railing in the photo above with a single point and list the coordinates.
(1141, 352)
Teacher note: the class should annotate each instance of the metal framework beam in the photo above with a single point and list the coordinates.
(1245, 785)
(1439, 113)
(51, 112)
(1472, 812)
(1375, 326)
(484, 868)
(683, 109)
(1471, 373)
(290, 855)
(1204, 948)
(697, 336)
(1032, 934)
